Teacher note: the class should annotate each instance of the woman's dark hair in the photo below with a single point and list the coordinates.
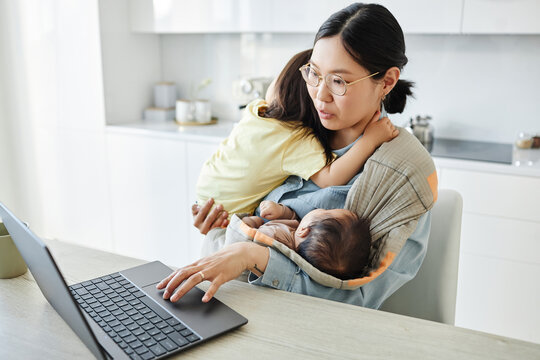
(339, 248)
(292, 103)
(374, 39)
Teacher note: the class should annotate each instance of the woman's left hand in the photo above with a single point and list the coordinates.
(220, 267)
(205, 218)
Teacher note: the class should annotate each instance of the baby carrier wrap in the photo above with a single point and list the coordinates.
(397, 186)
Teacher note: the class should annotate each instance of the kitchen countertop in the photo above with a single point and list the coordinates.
(529, 160)
(170, 130)
(472, 150)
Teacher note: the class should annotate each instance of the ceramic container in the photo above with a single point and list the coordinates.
(11, 261)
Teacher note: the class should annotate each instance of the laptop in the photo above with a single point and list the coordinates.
(122, 315)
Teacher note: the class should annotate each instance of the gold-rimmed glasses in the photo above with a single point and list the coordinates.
(334, 82)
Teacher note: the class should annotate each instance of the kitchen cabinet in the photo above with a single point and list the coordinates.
(501, 17)
(304, 16)
(425, 16)
(149, 212)
(280, 16)
(498, 287)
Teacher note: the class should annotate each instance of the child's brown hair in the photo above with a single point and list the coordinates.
(293, 105)
(338, 247)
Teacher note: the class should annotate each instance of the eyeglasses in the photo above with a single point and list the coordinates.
(335, 83)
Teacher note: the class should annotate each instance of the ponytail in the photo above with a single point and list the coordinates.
(397, 98)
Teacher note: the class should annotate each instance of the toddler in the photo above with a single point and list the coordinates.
(279, 138)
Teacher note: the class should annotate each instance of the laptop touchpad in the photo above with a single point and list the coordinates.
(207, 319)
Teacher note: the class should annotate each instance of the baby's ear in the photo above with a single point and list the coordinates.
(302, 231)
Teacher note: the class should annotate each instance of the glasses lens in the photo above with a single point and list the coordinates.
(336, 84)
(310, 76)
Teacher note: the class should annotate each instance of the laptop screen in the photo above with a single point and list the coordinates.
(49, 279)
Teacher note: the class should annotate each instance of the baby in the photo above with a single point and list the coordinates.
(335, 241)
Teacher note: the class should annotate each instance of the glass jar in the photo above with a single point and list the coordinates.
(536, 141)
(524, 141)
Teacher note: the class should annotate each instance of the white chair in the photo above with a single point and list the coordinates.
(431, 295)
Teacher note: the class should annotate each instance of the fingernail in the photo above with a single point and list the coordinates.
(166, 294)
(205, 298)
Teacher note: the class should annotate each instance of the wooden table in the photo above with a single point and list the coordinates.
(281, 324)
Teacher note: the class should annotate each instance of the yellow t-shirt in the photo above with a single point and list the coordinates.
(258, 155)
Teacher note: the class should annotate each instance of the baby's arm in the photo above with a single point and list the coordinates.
(271, 210)
(343, 169)
(253, 221)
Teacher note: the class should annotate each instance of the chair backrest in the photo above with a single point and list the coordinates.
(431, 295)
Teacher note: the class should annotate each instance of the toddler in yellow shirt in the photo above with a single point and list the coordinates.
(279, 138)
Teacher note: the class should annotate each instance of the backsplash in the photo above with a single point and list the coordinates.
(476, 87)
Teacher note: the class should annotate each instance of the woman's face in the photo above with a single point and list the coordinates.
(348, 114)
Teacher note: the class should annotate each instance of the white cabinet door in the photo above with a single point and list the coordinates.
(498, 195)
(281, 16)
(198, 153)
(498, 287)
(150, 215)
(426, 16)
(501, 17)
(499, 297)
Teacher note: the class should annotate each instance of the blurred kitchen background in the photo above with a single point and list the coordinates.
(79, 163)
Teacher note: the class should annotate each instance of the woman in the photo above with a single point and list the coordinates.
(353, 73)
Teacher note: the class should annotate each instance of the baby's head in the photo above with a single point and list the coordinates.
(335, 241)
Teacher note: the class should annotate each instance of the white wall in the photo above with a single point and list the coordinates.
(188, 59)
(56, 119)
(131, 64)
(7, 176)
(475, 87)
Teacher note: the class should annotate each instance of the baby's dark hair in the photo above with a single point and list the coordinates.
(338, 247)
(292, 103)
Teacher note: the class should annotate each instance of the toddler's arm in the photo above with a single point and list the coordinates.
(271, 210)
(341, 170)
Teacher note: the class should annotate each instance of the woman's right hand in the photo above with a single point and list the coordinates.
(205, 219)
(225, 265)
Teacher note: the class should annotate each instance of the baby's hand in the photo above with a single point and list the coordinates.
(253, 221)
(380, 131)
(271, 210)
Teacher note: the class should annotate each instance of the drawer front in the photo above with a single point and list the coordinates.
(510, 196)
(499, 297)
(500, 238)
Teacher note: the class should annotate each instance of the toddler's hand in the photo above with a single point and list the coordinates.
(380, 131)
(271, 210)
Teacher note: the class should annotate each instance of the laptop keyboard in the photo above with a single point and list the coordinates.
(142, 328)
